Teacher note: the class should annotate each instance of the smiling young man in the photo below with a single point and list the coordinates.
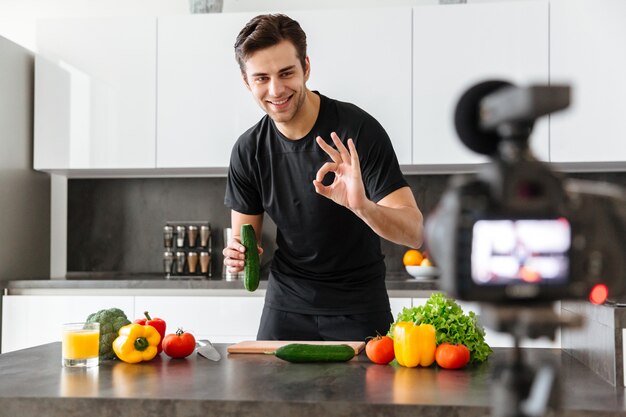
(326, 173)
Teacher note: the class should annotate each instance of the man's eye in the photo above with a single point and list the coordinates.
(260, 79)
(287, 74)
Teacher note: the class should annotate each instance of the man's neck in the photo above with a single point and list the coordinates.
(303, 121)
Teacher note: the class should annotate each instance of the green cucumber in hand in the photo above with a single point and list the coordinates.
(302, 352)
(252, 267)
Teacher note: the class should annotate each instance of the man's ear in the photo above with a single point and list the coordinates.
(245, 80)
(307, 68)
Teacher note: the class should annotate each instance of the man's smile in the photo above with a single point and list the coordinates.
(280, 103)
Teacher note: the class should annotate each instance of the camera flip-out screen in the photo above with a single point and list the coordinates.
(521, 251)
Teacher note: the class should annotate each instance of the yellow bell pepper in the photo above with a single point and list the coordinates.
(136, 343)
(414, 345)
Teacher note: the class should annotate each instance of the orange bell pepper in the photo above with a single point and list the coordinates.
(414, 344)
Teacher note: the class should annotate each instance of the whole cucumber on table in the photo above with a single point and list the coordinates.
(300, 352)
(252, 267)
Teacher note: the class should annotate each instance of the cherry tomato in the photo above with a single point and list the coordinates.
(380, 350)
(450, 356)
(179, 345)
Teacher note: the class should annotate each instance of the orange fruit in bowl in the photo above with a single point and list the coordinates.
(412, 257)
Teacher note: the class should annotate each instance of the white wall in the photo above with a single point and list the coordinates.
(18, 18)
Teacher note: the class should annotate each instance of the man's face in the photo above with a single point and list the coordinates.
(277, 80)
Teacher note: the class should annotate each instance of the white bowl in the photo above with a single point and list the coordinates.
(423, 272)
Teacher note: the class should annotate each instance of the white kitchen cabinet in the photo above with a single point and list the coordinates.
(397, 304)
(363, 56)
(203, 105)
(220, 319)
(95, 95)
(457, 46)
(31, 320)
(587, 51)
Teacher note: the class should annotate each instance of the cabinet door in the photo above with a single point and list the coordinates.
(363, 56)
(203, 104)
(31, 320)
(397, 304)
(219, 319)
(457, 46)
(587, 51)
(101, 114)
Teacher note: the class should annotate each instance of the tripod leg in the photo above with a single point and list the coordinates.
(510, 388)
(542, 393)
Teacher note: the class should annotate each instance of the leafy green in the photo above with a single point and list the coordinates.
(452, 325)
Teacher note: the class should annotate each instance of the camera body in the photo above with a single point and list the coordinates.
(518, 232)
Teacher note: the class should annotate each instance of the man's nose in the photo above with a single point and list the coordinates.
(276, 87)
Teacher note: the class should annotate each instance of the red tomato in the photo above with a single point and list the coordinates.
(450, 356)
(179, 345)
(380, 350)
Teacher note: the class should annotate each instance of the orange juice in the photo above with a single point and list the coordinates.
(80, 344)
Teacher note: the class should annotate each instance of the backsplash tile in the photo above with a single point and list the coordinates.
(116, 224)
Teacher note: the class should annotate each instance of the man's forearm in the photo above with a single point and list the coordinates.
(401, 225)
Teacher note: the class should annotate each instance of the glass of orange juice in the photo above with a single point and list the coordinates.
(80, 344)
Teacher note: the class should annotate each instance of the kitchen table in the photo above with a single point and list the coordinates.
(33, 383)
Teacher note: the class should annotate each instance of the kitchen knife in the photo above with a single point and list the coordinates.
(206, 349)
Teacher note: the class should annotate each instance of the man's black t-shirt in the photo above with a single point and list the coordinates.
(328, 261)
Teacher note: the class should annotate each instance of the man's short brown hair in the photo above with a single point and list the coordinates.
(268, 30)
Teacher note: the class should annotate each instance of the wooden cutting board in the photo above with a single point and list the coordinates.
(262, 346)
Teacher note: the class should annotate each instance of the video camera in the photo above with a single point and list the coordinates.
(518, 232)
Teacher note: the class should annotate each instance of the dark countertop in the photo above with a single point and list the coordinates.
(400, 284)
(33, 383)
